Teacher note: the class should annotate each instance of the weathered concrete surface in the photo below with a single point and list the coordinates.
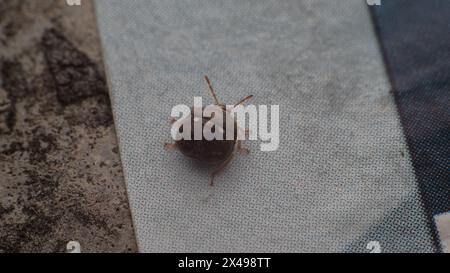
(60, 173)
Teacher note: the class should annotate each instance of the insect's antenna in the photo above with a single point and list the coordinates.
(243, 100)
(212, 90)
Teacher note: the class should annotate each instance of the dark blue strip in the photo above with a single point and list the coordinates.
(415, 39)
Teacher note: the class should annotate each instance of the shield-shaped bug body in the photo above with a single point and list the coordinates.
(215, 152)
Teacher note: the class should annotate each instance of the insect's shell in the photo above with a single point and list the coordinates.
(208, 151)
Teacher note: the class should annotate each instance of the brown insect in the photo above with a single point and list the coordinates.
(214, 152)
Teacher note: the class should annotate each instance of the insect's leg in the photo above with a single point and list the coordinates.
(241, 149)
(219, 169)
(243, 100)
(212, 90)
(170, 146)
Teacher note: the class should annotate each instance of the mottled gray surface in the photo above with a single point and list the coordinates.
(60, 173)
(341, 177)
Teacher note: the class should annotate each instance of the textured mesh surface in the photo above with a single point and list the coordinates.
(341, 177)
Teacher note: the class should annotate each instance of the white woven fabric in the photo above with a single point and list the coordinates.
(341, 177)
